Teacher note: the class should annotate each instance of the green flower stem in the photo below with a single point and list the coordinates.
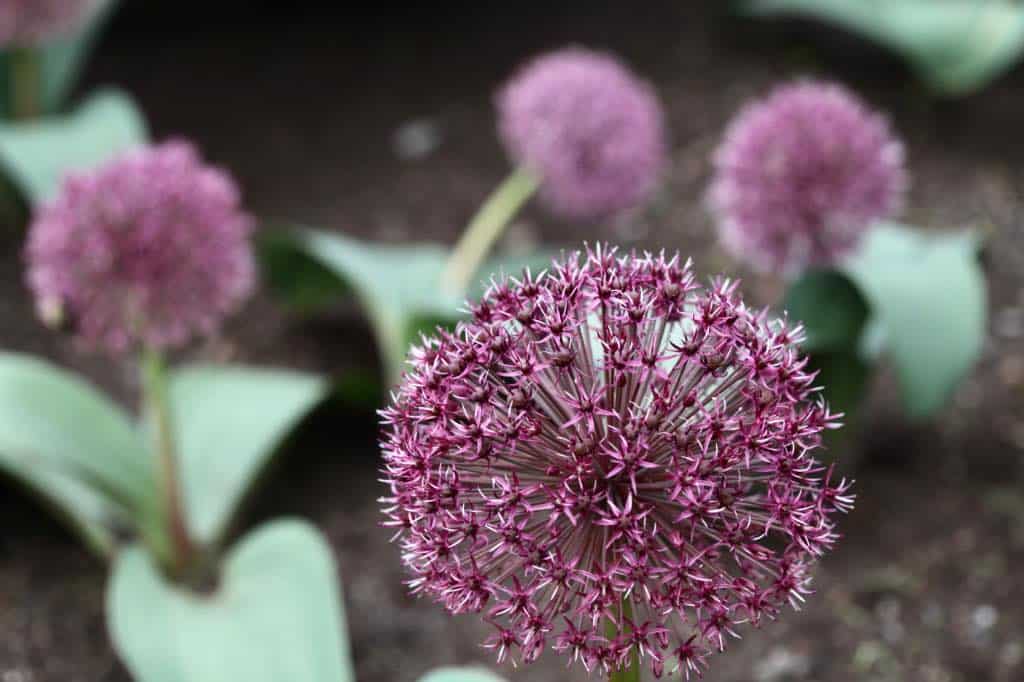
(630, 673)
(26, 84)
(485, 228)
(154, 373)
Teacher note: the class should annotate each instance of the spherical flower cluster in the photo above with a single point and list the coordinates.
(26, 23)
(147, 250)
(588, 128)
(802, 174)
(609, 446)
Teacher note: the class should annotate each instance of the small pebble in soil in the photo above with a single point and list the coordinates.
(983, 619)
(889, 613)
(416, 139)
(16, 675)
(782, 664)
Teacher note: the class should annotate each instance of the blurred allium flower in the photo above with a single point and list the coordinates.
(149, 249)
(802, 174)
(606, 431)
(25, 23)
(588, 127)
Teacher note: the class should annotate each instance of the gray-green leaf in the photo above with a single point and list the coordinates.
(275, 616)
(956, 46)
(75, 448)
(394, 285)
(831, 309)
(398, 286)
(928, 297)
(63, 61)
(844, 375)
(36, 155)
(229, 421)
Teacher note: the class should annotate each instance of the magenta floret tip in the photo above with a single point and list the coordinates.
(802, 174)
(611, 430)
(590, 129)
(150, 249)
(28, 23)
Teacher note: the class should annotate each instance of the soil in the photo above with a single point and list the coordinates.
(319, 113)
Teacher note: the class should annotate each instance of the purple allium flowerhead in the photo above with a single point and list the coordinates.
(590, 129)
(802, 174)
(27, 23)
(611, 442)
(149, 249)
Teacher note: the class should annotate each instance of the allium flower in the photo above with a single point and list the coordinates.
(611, 443)
(588, 127)
(802, 174)
(149, 249)
(26, 23)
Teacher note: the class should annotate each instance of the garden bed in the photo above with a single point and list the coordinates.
(924, 586)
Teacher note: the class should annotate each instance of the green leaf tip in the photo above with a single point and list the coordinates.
(37, 155)
(275, 615)
(956, 46)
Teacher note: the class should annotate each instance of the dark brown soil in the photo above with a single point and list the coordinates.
(305, 110)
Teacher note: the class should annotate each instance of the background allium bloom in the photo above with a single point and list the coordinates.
(588, 127)
(25, 23)
(802, 174)
(151, 248)
(611, 430)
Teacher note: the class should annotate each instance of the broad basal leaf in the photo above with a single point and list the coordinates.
(465, 674)
(844, 376)
(831, 309)
(229, 421)
(957, 46)
(73, 447)
(835, 317)
(37, 154)
(398, 286)
(395, 285)
(928, 295)
(275, 615)
(303, 281)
